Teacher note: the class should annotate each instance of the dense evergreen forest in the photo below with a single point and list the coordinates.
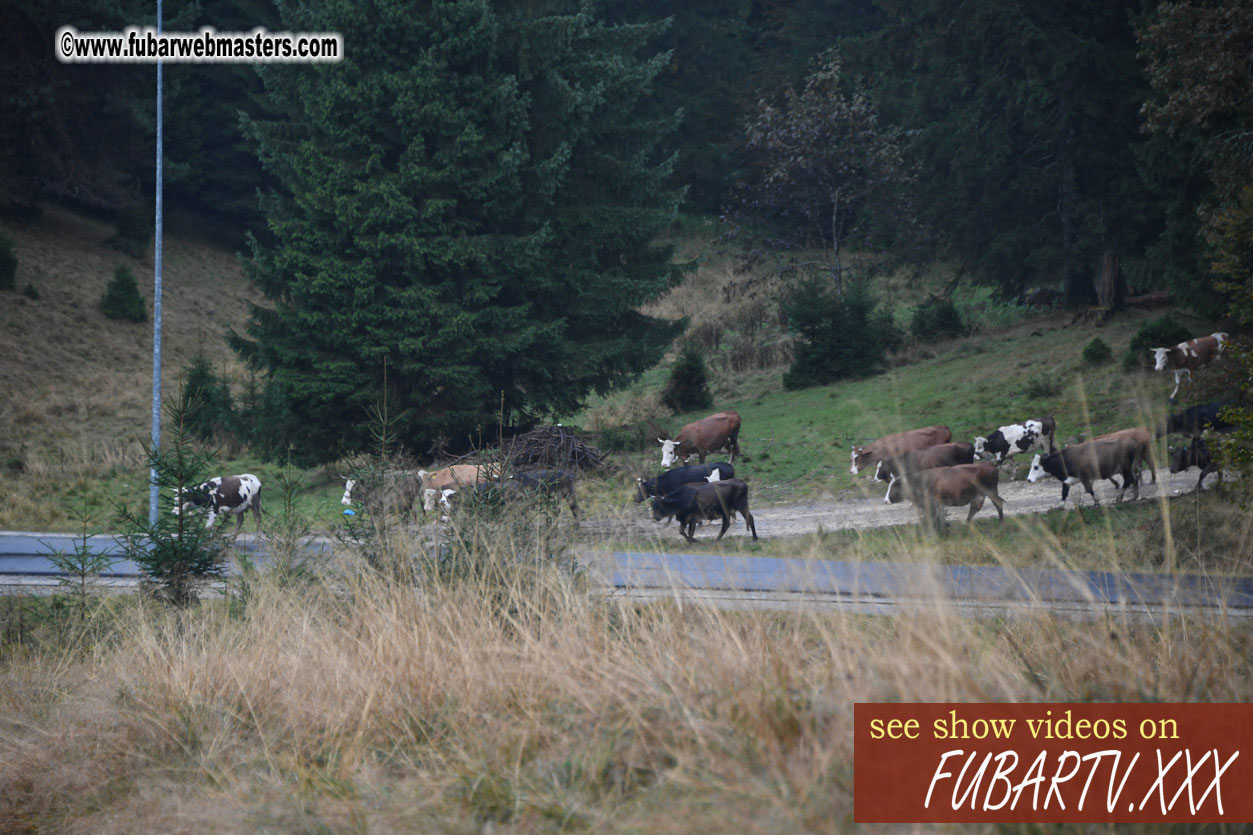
(463, 217)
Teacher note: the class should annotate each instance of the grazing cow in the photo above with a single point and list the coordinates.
(231, 495)
(1089, 462)
(940, 455)
(552, 482)
(964, 484)
(1008, 441)
(1196, 454)
(457, 476)
(702, 437)
(1188, 356)
(1143, 440)
(1197, 419)
(693, 503)
(890, 446)
(671, 480)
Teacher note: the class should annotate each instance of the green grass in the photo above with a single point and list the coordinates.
(797, 444)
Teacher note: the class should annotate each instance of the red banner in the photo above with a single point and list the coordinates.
(1052, 763)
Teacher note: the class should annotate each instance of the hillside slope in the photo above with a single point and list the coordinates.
(77, 383)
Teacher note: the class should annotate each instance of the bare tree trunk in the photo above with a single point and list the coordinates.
(1111, 289)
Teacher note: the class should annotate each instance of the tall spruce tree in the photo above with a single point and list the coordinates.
(468, 200)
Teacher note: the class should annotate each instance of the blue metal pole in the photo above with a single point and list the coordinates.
(156, 305)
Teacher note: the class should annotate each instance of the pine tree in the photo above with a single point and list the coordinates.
(471, 194)
(121, 299)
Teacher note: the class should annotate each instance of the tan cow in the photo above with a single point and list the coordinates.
(701, 437)
(1143, 440)
(964, 484)
(454, 477)
(1188, 356)
(891, 446)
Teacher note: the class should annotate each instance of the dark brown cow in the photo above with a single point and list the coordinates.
(1143, 439)
(964, 484)
(1188, 356)
(940, 455)
(1089, 462)
(701, 437)
(1196, 454)
(890, 446)
(698, 502)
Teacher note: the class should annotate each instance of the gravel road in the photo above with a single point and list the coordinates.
(802, 518)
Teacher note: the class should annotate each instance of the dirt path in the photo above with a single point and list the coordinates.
(808, 517)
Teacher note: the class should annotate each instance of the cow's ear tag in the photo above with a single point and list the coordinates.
(350, 512)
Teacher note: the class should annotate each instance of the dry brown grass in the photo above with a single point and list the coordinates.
(522, 701)
(72, 377)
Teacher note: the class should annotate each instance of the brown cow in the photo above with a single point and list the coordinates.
(940, 455)
(892, 445)
(949, 487)
(1089, 462)
(701, 437)
(1188, 356)
(1143, 439)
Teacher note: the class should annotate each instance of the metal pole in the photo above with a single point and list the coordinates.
(156, 306)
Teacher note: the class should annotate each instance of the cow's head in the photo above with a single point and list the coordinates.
(660, 510)
(668, 448)
(1180, 459)
(1037, 469)
(893, 495)
(980, 446)
(445, 497)
(1159, 358)
(348, 485)
(187, 497)
(858, 452)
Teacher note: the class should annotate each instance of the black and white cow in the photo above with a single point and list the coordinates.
(231, 495)
(671, 480)
(1008, 441)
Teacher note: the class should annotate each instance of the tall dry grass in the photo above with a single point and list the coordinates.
(517, 696)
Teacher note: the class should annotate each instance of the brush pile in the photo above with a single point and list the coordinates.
(551, 448)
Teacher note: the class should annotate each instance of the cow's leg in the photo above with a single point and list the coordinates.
(1178, 376)
(239, 524)
(256, 509)
(574, 505)
(1087, 485)
(702, 453)
(734, 446)
(976, 504)
(999, 503)
(726, 523)
(691, 529)
(749, 522)
(1065, 491)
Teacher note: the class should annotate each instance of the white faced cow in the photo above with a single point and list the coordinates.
(223, 496)
(1188, 356)
(1008, 441)
(701, 437)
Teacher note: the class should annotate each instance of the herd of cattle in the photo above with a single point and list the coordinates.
(922, 465)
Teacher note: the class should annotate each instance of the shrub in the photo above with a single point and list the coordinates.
(8, 263)
(1158, 333)
(688, 386)
(31, 292)
(1096, 352)
(121, 299)
(935, 319)
(1042, 386)
(839, 338)
(134, 231)
(206, 400)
